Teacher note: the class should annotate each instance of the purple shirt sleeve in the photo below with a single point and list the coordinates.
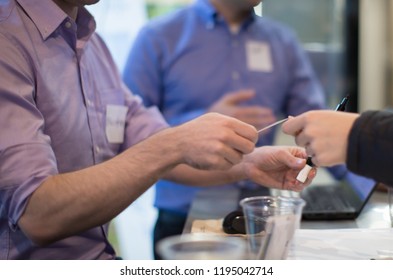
(57, 79)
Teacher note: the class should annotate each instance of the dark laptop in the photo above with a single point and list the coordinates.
(342, 199)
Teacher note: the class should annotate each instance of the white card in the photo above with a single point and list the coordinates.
(259, 57)
(115, 123)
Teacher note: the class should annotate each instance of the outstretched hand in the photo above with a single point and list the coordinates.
(277, 167)
(213, 141)
(323, 133)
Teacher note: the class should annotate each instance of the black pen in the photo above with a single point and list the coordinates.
(341, 106)
(303, 174)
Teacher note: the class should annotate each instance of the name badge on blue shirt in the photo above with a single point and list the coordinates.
(258, 57)
(115, 123)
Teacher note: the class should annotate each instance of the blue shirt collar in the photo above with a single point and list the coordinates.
(210, 16)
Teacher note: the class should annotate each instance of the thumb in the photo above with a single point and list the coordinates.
(294, 162)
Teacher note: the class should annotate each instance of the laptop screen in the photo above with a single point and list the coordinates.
(361, 185)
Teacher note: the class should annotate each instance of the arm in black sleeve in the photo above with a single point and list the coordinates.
(370, 146)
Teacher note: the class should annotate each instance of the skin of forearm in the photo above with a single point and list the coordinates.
(69, 203)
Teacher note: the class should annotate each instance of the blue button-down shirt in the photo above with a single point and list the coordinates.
(57, 78)
(186, 61)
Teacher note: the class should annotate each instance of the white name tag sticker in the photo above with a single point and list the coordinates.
(259, 57)
(115, 123)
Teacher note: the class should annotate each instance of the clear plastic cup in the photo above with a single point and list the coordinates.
(271, 222)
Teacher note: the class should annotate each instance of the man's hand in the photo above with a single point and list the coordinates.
(323, 133)
(277, 167)
(232, 104)
(212, 141)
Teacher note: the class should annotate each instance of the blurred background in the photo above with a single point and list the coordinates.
(349, 43)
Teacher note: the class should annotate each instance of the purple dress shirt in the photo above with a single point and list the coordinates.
(57, 78)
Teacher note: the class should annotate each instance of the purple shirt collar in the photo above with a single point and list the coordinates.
(48, 17)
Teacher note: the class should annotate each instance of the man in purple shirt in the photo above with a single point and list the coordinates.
(67, 127)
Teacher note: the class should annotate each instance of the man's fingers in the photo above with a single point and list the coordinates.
(240, 96)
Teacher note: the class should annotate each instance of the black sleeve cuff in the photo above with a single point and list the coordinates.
(370, 146)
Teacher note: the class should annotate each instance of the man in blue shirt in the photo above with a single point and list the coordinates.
(218, 56)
